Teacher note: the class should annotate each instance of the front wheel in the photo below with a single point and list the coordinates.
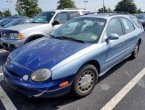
(135, 52)
(85, 81)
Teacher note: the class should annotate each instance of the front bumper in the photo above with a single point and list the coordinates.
(9, 44)
(38, 90)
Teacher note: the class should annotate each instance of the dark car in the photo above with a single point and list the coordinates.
(4, 21)
(1, 18)
(12, 21)
(17, 21)
(141, 18)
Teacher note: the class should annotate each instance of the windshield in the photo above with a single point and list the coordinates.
(6, 22)
(82, 29)
(43, 17)
(3, 20)
(15, 22)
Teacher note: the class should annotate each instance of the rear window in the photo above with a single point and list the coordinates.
(73, 14)
(136, 21)
(128, 25)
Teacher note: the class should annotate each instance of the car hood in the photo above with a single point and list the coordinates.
(45, 53)
(24, 26)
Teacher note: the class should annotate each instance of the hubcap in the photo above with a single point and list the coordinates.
(86, 81)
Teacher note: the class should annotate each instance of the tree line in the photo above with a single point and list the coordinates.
(30, 8)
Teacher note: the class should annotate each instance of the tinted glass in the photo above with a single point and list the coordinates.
(43, 17)
(73, 14)
(13, 23)
(61, 18)
(7, 21)
(114, 27)
(84, 29)
(128, 25)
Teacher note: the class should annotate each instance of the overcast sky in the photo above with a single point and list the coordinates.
(92, 5)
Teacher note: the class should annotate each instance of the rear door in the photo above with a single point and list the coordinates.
(131, 36)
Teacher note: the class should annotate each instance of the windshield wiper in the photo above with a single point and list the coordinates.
(52, 36)
(67, 38)
(72, 39)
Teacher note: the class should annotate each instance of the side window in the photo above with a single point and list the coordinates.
(136, 21)
(61, 18)
(128, 25)
(114, 27)
(73, 14)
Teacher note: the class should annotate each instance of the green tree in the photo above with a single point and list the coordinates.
(27, 7)
(105, 10)
(6, 12)
(126, 6)
(66, 4)
(139, 11)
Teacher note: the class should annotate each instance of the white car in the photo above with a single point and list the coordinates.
(42, 25)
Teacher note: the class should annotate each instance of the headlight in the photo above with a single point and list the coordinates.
(41, 75)
(16, 36)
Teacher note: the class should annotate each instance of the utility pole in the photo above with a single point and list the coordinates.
(85, 2)
(103, 6)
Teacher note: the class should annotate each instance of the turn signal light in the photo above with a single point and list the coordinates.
(64, 84)
(21, 36)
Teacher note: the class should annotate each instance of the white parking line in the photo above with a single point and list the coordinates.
(6, 101)
(123, 92)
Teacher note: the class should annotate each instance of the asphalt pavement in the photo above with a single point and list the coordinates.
(107, 88)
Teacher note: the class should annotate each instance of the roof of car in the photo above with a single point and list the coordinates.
(68, 9)
(105, 15)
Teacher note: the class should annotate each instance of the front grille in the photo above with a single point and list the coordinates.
(13, 73)
(5, 34)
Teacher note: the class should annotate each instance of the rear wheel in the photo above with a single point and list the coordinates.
(85, 81)
(135, 52)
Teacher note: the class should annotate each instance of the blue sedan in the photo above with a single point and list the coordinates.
(74, 56)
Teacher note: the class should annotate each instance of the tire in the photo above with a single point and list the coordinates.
(1, 46)
(135, 52)
(80, 87)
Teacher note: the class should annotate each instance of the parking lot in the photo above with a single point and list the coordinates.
(122, 88)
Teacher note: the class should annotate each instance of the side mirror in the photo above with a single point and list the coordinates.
(113, 37)
(55, 22)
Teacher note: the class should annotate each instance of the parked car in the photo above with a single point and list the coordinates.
(74, 56)
(141, 17)
(6, 20)
(17, 21)
(1, 18)
(12, 21)
(41, 26)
